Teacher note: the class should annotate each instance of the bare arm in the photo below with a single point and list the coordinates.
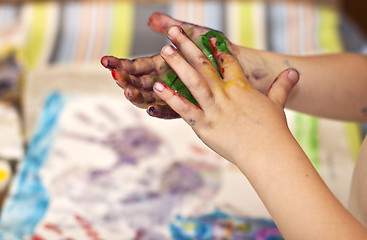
(332, 86)
(231, 114)
(235, 112)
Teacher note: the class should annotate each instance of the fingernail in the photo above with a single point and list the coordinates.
(293, 75)
(128, 94)
(151, 110)
(158, 86)
(168, 50)
(174, 31)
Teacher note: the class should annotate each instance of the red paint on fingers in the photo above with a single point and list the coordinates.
(212, 42)
(104, 61)
(271, 86)
(115, 75)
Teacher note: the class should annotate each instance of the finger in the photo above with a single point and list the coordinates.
(144, 82)
(143, 65)
(160, 23)
(193, 55)
(231, 70)
(189, 76)
(142, 98)
(110, 62)
(191, 113)
(137, 67)
(162, 111)
(282, 86)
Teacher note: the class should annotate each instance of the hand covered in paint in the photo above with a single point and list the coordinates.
(137, 76)
(230, 113)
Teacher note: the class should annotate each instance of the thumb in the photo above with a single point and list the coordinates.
(282, 86)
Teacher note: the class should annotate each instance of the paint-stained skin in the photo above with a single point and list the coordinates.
(192, 122)
(162, 111)
(137, 76)
(113, 63)
(271, 86)
(227, 61)
(289, 65)
(259, 74)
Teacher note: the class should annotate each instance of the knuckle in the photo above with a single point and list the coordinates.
(169, 96)
(227, 59)
(195, 83)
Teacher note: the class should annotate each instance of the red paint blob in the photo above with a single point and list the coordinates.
(198, 150)
(114, 74)
(37, 237)
(214, 48)
(53, 228)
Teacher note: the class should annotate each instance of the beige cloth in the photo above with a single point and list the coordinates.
(64, 78)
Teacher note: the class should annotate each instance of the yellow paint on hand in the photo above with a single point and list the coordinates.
(232, 70)
(237, 83)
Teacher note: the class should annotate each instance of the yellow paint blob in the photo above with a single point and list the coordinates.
(234, 72)
(237, 84)
(3, 175)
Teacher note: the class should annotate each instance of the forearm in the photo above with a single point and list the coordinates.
(358, 191)
(250, 130)
(332, 86)
(297, 198)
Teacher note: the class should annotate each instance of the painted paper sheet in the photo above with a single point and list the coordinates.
(99, 168)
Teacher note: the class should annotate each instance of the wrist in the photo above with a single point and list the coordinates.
(261, 67)
(263, 146)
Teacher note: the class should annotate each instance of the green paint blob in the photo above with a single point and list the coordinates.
(171, 79)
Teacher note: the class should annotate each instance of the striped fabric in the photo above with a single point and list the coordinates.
(298, 36)
(331, 42)
(246, 23)
(56, 32)
(306, 29)
(204, 13)
(242, 21)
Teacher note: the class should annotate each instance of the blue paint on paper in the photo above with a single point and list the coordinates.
(219, 225)
(29, 199)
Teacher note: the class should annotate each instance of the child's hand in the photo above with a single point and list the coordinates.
(231, 113)
(137, 76)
